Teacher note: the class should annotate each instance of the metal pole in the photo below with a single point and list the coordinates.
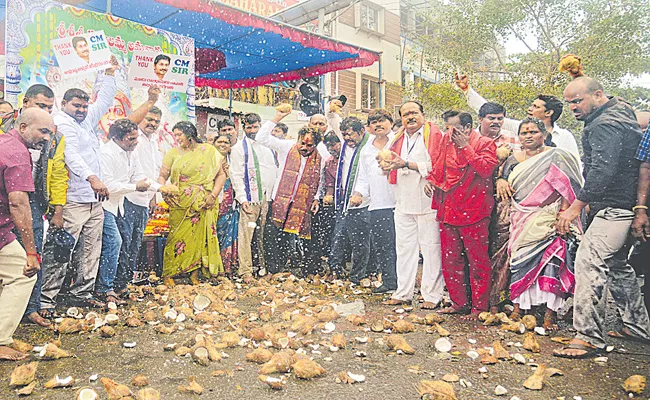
(321, 28)
(230, 104)
(109, 7)
(381, 81)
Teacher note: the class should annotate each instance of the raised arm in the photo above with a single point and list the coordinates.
(138, 115)
(105, 95)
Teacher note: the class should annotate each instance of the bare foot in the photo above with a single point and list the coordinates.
(427, 305)
(395, 302)
(577, 349)
(473, 316)
(550, 317)
(452, 310)
(248, 279)
(36, 318)
(169, 281)
(9, 354)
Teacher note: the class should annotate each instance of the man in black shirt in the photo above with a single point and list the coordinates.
(610, 139)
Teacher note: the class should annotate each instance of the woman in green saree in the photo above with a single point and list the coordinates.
(195, 171)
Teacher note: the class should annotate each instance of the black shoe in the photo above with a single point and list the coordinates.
(383, 289)
(89, 302)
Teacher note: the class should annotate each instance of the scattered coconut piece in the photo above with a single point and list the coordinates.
(129, 345)
(520, 358)
(530, 343)
(24, 374)
(328, 328)
(259, 356)
(443, 345)
(339, 341)
(450, 378)
(635, 384)
(27, 390)
(114, 390)
(553, 371)
(403, 326)
(529, 321)
(437, 390)
(140, 380)
(307, 369)
(52, 352)
(279, 362)
(499, 351)
(148, 394)
(441, 331)
(536, 380)
(397, 342)
(274, 383)
(500, 390)
(192, 386)
(107, 331)
(349, 378)
(57, 382)
(472, 354)
(86, 393)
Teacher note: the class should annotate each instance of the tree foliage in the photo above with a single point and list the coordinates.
(611, 36)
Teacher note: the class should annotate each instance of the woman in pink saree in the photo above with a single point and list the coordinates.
(541, 181)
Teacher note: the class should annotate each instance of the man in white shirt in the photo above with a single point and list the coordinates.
(352, 224)
(546, 108)
(373, 183)
(77, 121)
(253, 175)
(122, 174)
(137, 205)
(416, 227)
(295, 195)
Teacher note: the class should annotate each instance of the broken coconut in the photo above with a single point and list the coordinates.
(27, 390)
(23, 374)
(443, 345)
(259, 356)
(634, 384)
(107, 331)
(148, 394)
(437, 390)
(441, 331)
(500, 352)
(529, 321)
(308, 369)
(536, 380)
(530, 343)
(280, 362)
(274, 383)
(86, 393)
(53, 352)
(192, 386)
(114, 390)
(349, 378)
(57, 382)
(397, 342)
(200, 356)
(139, 380)
(339, 341)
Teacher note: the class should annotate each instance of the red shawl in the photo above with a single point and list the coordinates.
(431, 133)
(294, 216)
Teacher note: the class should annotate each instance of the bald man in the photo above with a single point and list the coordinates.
(18, 264)
(610, 140)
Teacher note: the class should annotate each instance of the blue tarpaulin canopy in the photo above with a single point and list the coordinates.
(236, 49)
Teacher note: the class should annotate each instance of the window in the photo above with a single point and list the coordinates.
(369, 93)
(369, 18)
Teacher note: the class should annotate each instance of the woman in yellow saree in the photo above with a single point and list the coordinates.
(196, 177)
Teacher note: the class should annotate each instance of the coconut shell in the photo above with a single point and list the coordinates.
(150, 316)
(256, 334)
(133, 322)
(489, 359)
(536, 380)
(164, 329)
(356, 320)
(512, 326)
(274, 383)
(529, 321)
(52, 352)
(433, 318)
(397, 342)
(200, 356)
(279, 362)
(284, 108)
(500, 352)
(503, 153)
(339, 341)
(23, 374)
(635, 384)
(530, 343)
(436, 390)
(327, 315)
(114, 390)
(148, 394)
(182, 351)
(441, 331)
(140, 380)
(192, 386)
(27, 390)
(259, 356)
(86, 393)
(230, 339)
(403, 326)
(107, 331)
(385, 155)
(57, 382)
(308, 369)
(70, 325)
(21, 346)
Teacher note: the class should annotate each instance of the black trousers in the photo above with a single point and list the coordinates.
(382, 240)
(351, 227)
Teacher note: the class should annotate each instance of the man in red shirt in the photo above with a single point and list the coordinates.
(463, 161)
(18, 265)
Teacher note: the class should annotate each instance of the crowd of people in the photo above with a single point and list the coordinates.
(498, 212)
